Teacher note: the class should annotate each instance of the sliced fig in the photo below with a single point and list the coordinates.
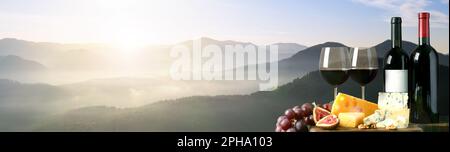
(328, 122)
(319, 113)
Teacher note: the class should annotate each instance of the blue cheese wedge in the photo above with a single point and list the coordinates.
(388, 124)
(376, 117)
(400, 116)
(392, 100)
(393, 111)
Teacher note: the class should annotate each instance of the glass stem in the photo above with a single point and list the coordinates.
(335, 91)
(363, 92)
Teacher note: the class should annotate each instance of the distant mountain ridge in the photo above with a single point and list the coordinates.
(295, 60)
(98, 58)
(22, 105)
(13, 64)
(285, 50)
(307, 60)
(302, 62)
(254, 112)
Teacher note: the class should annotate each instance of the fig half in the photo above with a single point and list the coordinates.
(328, 122)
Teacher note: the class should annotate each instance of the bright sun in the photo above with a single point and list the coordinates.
(122, 27)
(130, 25)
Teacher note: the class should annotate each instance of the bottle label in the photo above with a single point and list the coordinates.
(396, 80)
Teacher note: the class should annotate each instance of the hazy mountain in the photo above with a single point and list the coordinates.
(255, 112)
(27, 49)
(131, 92)
(302, 62)
(93, 61)
(43, 52)
(139, 91)
(16, 92)
(61, 60)
(21, 105)
(24, 70)
(29, 103)
(16, 64)
(285, 50)
(307, 60)
(382, 49)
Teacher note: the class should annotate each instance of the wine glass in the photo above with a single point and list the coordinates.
(364, 66)
(334, 65)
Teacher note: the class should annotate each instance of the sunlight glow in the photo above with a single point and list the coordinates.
(133, 24)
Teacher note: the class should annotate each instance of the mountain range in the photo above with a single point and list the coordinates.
(161, 104)
(16, 64)
(253, 112)
(93, 61)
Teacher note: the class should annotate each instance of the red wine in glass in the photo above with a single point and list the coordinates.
(334, 65)
(335, 77)
(363, 76)
(364, 66)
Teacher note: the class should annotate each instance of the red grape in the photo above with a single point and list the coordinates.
(290, 114)
(280, 118)
(297, 119)
(278, 129)
(300, 126)
(309, 120)
(291, 130)
(285, 124)
(298, 112)
(307, 108)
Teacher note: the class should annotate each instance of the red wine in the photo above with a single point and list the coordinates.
(424, 76)
(363, 76)
(335, 77)
(395, 70)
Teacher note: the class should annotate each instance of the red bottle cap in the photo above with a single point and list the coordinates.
(424, 23)
(424, 15)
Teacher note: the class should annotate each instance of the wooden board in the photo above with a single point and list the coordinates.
(435, 127)
(340, 129)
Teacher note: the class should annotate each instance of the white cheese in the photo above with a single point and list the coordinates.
(388, 100)
(375, 118)
(400, 116)
(393, 111)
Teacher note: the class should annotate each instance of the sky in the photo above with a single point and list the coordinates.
(355, 23)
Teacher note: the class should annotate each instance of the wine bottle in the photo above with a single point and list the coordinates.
(396, 61)
(424, 76)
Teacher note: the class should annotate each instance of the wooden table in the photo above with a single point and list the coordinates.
(438, 127)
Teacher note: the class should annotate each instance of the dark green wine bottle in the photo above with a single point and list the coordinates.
(395, 70)
(424, 77)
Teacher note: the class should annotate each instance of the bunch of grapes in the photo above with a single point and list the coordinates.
(298, 118)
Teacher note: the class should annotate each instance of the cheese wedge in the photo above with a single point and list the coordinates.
(388, 100)
(350, 119)
(347, 103)
(393, 113)
(375, 118)
(400, 116)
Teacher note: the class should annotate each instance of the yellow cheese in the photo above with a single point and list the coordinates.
(350, 119)
(347, 103)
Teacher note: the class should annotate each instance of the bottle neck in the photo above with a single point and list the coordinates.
(424, 41)
(396, 35)
(424, 31)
